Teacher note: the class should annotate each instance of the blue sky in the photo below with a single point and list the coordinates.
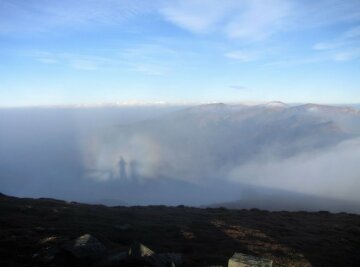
(139, 51)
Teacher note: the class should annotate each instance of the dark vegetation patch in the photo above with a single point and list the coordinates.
(204, 236)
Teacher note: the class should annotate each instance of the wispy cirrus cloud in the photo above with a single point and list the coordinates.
(348, 38)
(249, 23)
(353, 32)
(326, 12)
(244, 55)
(347, 55)
(42, 15)
(148, 59)
(75, 61)
(295, 61)
(82, 64)
(259, 19)
(238, 87)
(252, 20)
(47, 60)
(247, 20)
(195, 16)
(343, 48)
(150, 69)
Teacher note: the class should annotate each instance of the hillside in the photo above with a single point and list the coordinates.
(32, 227)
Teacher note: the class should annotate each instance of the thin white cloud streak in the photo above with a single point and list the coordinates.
(353, 32)
(347, 55)
(47, 60)
(343, 48)
(148, 59)
(296, 62)
(253, 53)
(243, 55)
(238, 87)
(84, 65)
(155, 59)
(346, 39)
(246, 19)
(42, 15)
(310, 14)
(196, 16)
(333, 56)
(330, 173)
(148, 69)
(75, 61)
(257, 20)
(250, 20)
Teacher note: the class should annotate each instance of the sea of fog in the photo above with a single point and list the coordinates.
(147, 155)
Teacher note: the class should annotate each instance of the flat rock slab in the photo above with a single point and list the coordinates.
(243, 260)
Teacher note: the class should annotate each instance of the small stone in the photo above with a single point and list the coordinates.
(243, 260)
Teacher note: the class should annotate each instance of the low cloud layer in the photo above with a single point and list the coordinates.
(331, 173)
(175, 155)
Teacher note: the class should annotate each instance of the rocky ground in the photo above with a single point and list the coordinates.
(32, 231)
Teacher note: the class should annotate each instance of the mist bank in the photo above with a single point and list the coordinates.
(174, 155)
(332, 172)
(42, 149)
